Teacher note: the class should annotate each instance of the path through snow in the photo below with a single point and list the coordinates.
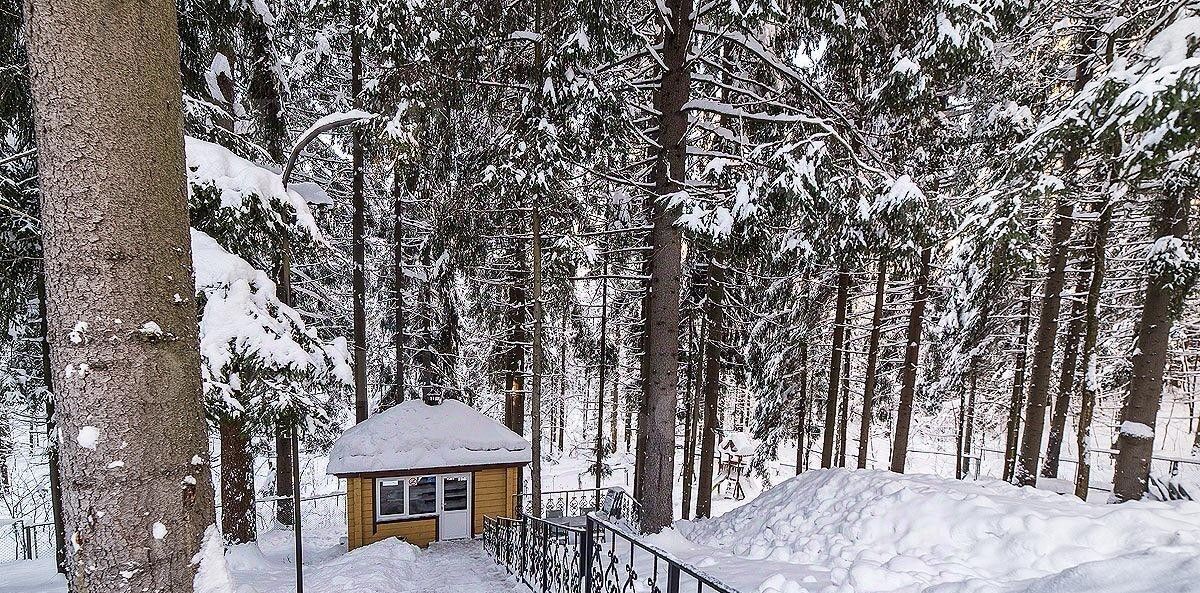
(389, 566)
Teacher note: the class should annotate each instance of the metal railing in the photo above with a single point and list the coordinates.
(602, 555)
(613, 501)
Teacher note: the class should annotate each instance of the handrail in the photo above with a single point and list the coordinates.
(550, 557)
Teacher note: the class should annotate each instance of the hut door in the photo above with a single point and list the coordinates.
(454, 521)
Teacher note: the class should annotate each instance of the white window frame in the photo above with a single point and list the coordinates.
(380, 517)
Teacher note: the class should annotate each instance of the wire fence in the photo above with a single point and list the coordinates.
(26, 541)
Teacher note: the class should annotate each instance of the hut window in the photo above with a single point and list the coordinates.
(391, 498)
(422, 495)
(402, 498)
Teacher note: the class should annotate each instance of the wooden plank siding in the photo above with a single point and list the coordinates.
(493, 491)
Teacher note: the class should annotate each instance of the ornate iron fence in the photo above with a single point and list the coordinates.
(603, 555)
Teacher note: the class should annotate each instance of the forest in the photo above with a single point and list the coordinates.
(943, 237)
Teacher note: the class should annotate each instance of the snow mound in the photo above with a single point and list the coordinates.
(870, 531)
(416, 435)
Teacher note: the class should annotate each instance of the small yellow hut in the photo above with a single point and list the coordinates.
(426, 472)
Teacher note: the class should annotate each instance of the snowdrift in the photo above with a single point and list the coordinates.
(867, 531)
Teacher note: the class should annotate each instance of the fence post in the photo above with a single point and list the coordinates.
(672, 577)
(585, 556)
(28, 541)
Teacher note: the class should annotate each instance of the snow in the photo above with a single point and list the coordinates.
(242, 185)
(415, 435)
(151, 329)
(88, 436)
(1136, 430)
(212, 572)
(158, 530)
(243, 316)
(31, 576)
(872, 531)
(739, 443)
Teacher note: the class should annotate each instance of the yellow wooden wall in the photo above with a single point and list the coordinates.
(493, 497)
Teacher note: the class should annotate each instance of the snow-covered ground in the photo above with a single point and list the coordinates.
(871, 531)
(268, 566)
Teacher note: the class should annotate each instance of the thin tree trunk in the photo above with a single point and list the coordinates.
(56, 497)
(358, 224)
(535, 393)
(689, 419)
(835, 367)
(400, 184)
(1066, 381)
(969, 422)
(562, 383)
(237, 481)
(868, 410)
(598, 470)
(662, 319)
(1091, 334)
(1016, 401)
(714, 338)
(912, 354)
(1135, 442)
(802, 413)
(1025, 474)
(110, 142)
(1043, 350)
(844, 406)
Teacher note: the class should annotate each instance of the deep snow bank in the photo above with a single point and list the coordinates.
(875, 531)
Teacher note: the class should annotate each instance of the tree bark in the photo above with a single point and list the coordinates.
(108, 112)
(844, 406)
(868, 411)
(1066, 381)
(358, 224)
(400, 183)
(56, 499)
(1135, 442)
(237, 481)
(912, 355)
(1043, 350)
(1091, 334)
(802, 412)
(714, 338)
(535, 392)
(602, 371)
(690, 411)
(662, 316)
(283, 445)
(1017, 398)
(835, 367)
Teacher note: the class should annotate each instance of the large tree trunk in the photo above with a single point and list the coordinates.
(1135, 442)
(1066, 382)
(835, 367)
(864, 432)
(714, 314)
(1043, 350)
(535, 392)
(358, 225)
(662, 316)
(912, 354)
(237, 481)
(1016, 400)
(1091, 334)
(106, 89)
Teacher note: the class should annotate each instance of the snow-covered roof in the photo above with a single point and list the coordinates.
(416, 435)
(739, 443)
